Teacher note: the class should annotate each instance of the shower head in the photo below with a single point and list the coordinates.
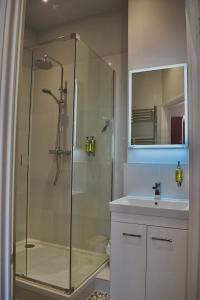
(43, 64)
(49, 58)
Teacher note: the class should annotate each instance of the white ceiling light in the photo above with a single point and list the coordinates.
(45, 1)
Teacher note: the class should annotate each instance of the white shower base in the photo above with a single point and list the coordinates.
(49, 263)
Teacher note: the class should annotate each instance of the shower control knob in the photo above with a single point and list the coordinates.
(60, 152)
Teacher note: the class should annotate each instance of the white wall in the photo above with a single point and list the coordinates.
(140, 178)
(119, 64)
(173, 85)
(156, 33)
(105, 34)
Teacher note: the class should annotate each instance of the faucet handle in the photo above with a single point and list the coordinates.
(156, 186)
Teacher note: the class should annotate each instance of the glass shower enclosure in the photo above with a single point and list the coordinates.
(64, 152)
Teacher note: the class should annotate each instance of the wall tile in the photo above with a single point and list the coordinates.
(139, 179)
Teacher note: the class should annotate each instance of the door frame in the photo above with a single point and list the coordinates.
(193, 53)
(12, 15)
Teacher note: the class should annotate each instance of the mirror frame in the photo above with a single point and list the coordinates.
(130, 73)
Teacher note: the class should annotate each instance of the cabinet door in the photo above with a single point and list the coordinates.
(166, 263)
(128, 261)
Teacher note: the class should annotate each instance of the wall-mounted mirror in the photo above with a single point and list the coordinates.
(158, 115)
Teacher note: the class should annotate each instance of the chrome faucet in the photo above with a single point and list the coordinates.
(157, 188)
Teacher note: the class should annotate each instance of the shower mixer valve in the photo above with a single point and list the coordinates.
(60, 152)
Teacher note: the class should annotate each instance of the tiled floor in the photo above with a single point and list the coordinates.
(104, 274)
(50, 264)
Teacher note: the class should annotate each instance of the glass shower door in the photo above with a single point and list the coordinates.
(21, 167)
(43, 181)
(92, 163)
(50, 164)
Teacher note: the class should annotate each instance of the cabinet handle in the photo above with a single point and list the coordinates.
(161, 239)
(132, 235)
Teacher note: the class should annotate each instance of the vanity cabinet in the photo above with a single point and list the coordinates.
(128, 261)
(166, 263)
(148, 262)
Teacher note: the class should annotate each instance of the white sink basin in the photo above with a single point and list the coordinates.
(171, 208)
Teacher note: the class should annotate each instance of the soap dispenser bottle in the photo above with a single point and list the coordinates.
(93, 145)
(179, 174)
(87, 145)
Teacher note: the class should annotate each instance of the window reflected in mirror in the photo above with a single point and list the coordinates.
(158, 106)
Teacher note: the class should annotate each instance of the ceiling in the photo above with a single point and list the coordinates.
(42, 16)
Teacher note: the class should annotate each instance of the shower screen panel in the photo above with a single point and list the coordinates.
(92, 163)
(21, 167)
(63, 164)
(46, 245)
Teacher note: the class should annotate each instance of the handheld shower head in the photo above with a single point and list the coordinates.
(46, 91)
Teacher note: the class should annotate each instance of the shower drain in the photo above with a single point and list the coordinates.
(98, 295)
(29, 246)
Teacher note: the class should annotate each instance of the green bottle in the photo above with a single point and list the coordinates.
(179, 174)
(90, 144)
(87, 145)
(93, 145)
